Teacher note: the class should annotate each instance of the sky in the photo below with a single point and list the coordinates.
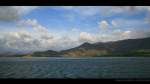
(40, 28)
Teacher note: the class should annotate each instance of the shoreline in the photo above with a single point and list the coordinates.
(3, 59)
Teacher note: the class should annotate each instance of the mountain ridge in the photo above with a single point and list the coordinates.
(121, 46)
(124, 47)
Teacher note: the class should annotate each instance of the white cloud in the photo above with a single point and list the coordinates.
(25, 40)
(86, 37)
(21, 40)
(36, 26)
(140, 33)
(24, 9)
(120, 34)
(67, 7)
(105, 11)
(14, 12)
(116, 34)
(42, 39)
(126, 33)
(75, 29)
(141, 8)
(83, 10)
(10, 13)
(97, 10)
(103, 24)
(114, 23)
(135, 9)
(88, 10)
(119, 23)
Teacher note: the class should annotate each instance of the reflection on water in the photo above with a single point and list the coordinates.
(100, 67)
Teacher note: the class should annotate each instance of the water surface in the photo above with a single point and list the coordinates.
(59, 67)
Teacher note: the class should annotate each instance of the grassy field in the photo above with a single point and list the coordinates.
(96, 53)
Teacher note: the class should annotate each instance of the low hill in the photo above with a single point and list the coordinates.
(128, 47)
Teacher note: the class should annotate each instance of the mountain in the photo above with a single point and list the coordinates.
(85, 49)
(126, 47)
(48, 53)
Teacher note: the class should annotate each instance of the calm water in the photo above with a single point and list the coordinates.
(99, 67)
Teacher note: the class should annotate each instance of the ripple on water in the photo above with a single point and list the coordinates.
(76, 68)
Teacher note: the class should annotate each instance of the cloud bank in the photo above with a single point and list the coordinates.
(10, 13)
(33, 36)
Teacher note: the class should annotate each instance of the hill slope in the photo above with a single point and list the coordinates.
(129, 47)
